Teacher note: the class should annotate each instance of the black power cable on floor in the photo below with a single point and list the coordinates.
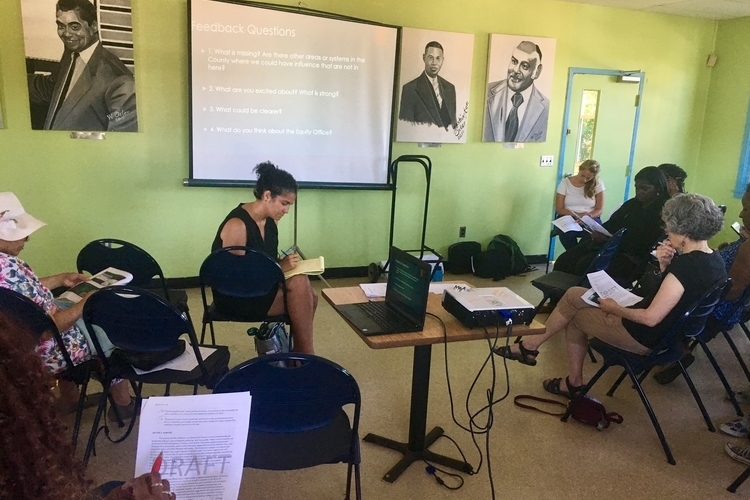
(474, 427)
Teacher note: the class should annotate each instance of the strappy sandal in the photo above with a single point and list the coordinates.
(522, 357)
(553, 386)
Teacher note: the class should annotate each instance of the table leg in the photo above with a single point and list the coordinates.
(419, 442)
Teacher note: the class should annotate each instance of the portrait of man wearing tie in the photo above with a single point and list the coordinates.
(91, 90)
(429, 98)
(517, 111)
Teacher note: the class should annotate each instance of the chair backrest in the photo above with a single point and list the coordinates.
(241, 272)
(607, 252)
(136, 319)
(294, 399)
(101, 254)
(693, 320)
(34, 317)
(724, 322)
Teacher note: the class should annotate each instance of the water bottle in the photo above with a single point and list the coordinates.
(438, 274)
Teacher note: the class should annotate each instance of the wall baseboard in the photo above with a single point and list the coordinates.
(330, 273)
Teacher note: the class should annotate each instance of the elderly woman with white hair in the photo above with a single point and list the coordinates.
(15, 227)
(688, 268)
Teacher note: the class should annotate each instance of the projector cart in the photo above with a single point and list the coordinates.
(375, 270)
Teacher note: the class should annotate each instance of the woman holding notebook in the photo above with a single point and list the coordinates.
(580, 194)
(253, 225)
(688, 268)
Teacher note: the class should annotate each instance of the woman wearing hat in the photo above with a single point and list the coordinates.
(15, 227)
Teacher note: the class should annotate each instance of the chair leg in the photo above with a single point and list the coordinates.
(357, 483)
(744, 329)
(737, 354)
(203, 332)
(95, 425)
(79, 409)
(720, 373)
(617, 383)
(591, 355)
(737, 482)
(697, 398)
(651, 414)
(349, 467)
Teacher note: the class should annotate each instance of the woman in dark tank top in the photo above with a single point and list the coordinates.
(253, 224)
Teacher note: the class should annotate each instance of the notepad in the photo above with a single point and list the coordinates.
(307, 266)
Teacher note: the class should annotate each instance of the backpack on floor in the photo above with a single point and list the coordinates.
(459, 256)
(502, 258)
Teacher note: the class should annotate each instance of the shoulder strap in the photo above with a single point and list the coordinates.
(613, 416)
(517, 401)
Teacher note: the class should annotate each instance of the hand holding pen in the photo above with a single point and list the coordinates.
(289, 259)
(664, 253)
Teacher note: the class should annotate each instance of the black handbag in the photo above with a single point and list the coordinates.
(148, 360)
(588, 411)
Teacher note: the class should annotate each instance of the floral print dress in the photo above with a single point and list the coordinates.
(16, 275)
(728, 254)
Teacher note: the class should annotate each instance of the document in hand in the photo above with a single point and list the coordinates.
(202, 439)
(308, 266)
(108, 277)
(590, 225)
(604, 287)
(566, 223)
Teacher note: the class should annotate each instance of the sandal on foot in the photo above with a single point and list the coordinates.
(553, 386)
(522, 357)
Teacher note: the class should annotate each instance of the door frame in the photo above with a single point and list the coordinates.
(572, 72)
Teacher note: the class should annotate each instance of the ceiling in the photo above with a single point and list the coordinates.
(706, 9)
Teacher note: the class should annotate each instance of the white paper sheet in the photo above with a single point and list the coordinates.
(591, 223)
(567, 223)
(185, 362)
(202, 439)
(376, 290)
(604, 287)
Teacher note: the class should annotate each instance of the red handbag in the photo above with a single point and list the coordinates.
(589, 411)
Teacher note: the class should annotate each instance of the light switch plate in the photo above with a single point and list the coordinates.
(546, 160)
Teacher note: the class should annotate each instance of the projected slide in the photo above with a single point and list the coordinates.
(311, 94)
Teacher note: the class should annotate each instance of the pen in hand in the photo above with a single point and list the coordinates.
(157, 463)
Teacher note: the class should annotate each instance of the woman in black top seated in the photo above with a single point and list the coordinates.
(689, 268)
(253, 224)
(640, 216)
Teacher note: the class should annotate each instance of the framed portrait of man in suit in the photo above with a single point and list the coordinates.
(519, 85)
(435, 78)
(79, 64)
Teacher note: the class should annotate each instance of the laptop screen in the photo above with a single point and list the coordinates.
(408, 285)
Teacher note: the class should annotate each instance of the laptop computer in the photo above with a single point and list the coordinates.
(405, 304)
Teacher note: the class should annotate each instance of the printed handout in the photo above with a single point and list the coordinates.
(202, 439)
(604, 287)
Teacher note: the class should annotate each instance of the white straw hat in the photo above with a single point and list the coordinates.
(15, 223)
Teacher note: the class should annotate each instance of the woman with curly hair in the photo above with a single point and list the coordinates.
(37, 460)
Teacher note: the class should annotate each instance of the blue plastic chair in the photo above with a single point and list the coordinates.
(39, 322)
(141, 321)
(242, 273)
(723, 325)
(108, 252)
(297, 418)
(669, 350)
(554, 285)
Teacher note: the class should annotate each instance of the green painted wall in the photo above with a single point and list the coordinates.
(726, 113)
(129, 185)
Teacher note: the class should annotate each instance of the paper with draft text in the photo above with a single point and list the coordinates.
(604, 287)
(202, 439)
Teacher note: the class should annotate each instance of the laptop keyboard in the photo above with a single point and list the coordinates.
(387, 319)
